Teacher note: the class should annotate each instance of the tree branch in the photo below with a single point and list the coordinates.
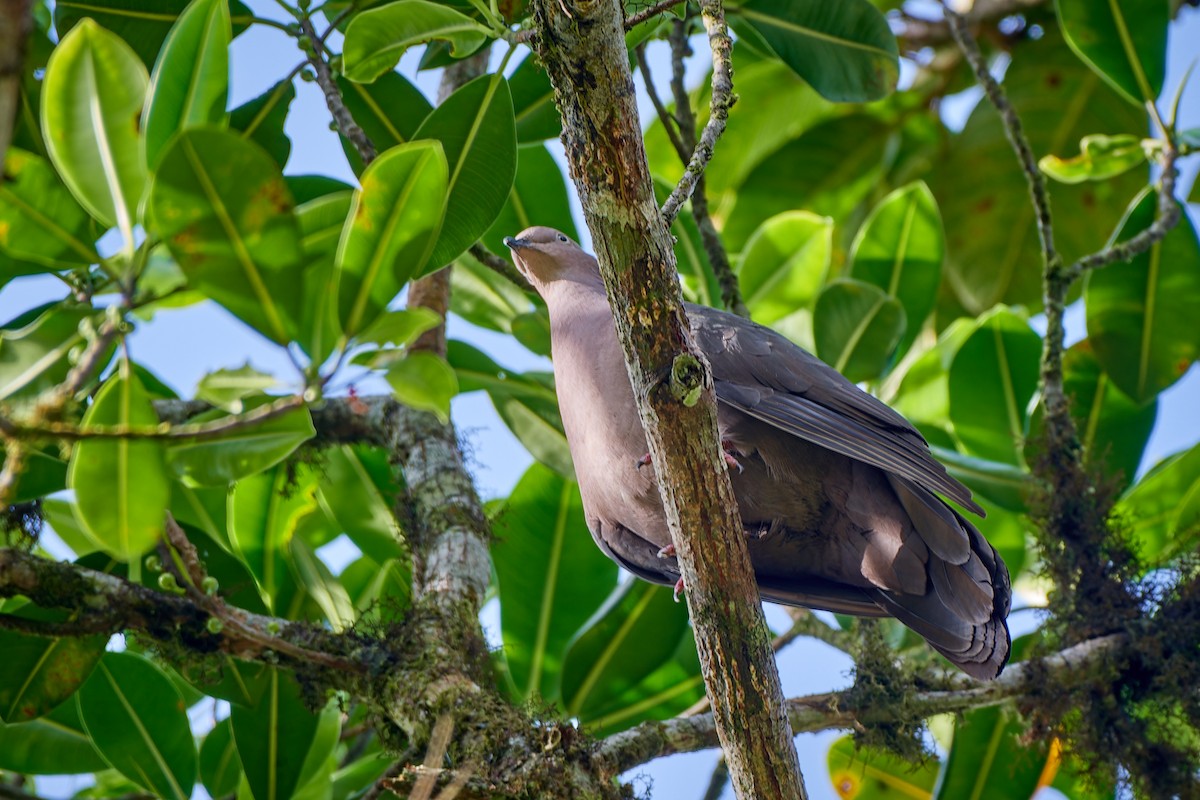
(315, 49)
(583, 48)
(16, 23)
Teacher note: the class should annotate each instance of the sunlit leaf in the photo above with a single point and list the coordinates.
(352, 495)
(871, 774)
(1163, 508)
(329, 594)
(1124, 41)
(424, 381)
(190, 82)
(538, 197)
(144, 24)
(784, 264)
(552, 577)
(121, 484)
(389, 110)
(262, 120)
(1100, 158)
(137, 720)
(39, 219)
(857, 328)
(482, 297)
(989, 759)
(376, 38)
(242, 451)
(225, 388)
(33, 358)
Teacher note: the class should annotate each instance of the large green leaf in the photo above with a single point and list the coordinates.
(527, 404)
(42, 474)
(49, 745)
(242, 452)
(190, 82)
(137, 720)
(314, 577)
(1163, 509)
(274, 738)
(828, 170)
(478, 134)
(784, 264)
(1139, 313)
(424, 381)
(992, 381)
(900, 248)
(381, 591)
(635, 633)
(321, 222)
(845, 50)
(264, 513)
(1112, 428)
(121, 485)
(988, 760)
(538, 197)
(262, 120)
(389, 110)
(552, 577)
(533, 104)
(221, 204)
(144, 24)
(666, 692)
(39, 219)
(37, 673)
(1005, 485)
(92, 98)
(870, 774)
(1124, 41)
(923, 394)
(483, 298)
(351, 492)
(33, 358)
(390, 231)
(375, 39)
(993, 255)
(857, 328)
(220, 769)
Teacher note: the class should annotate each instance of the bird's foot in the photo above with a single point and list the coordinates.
(667, 552)
(678, 589)
(730, 461)
(644, 461)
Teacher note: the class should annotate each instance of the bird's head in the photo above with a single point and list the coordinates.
(544, 255)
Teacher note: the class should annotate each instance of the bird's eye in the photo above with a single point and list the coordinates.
(562, 237)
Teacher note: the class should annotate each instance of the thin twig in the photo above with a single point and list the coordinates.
(719, 779)
(713, 14)
(670, 124)
(718, 258)
(333, 97)
(634, 20)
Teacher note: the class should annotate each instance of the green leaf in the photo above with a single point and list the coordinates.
(63, 518)
(784, 263)
(1139, 313)
(264, 513)
(424, 381)
(190, 82)
(390, 231)
(42, 474)
(220, 769)
(1112, 428)
(37, 673)
(33, 358)
(204, 509)
(483, 298)
(636, 632)
(923, 395)
(533, 105)
(532, 329)
(389, 111)
(400, 328)
(1003, 484)
(900, 248)
(992, 248)
(242, 452)
(992, 380)
(221, 204)
(262, 120)
(1162, 511)
(857, 328)
(92, 98)
(828, 171)
(310, 187)
(316, 579)
(137, 720)
(121, 485)
(49, 745)
(353, 496)
(666, 692)
(274, 738)
(538, 197)
(381, 591)
(1124, 41)
(987, 759)
(39, 219)
(144, 24)
(552, 577)
(862, 773)
(478, 134)
(225, 388)
(846, 52)
(527, 404)
(377, 38)
(1101, 157)
(1008, 532)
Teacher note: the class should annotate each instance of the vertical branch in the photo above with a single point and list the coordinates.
(16, 23)
(583, 47)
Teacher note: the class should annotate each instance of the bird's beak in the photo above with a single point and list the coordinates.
(513, 243)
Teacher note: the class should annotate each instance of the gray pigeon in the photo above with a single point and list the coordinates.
(836, 490)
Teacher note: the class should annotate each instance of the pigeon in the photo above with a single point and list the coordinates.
(839, 496)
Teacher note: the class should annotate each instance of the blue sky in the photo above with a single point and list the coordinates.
(183, 345)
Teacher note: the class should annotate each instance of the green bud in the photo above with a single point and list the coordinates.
(214, 625)
(167, 582)
(209, 586)
(153, 564)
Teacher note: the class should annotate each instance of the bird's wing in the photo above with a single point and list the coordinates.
(759, 372)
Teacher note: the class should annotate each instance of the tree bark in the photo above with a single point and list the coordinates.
(583, 47)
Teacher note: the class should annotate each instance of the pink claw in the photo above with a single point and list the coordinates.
(678, 589)
(730, 461)
(644, 461)
(667, 552)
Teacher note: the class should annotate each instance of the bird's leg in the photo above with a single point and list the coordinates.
(678, 588)
(667, 551)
